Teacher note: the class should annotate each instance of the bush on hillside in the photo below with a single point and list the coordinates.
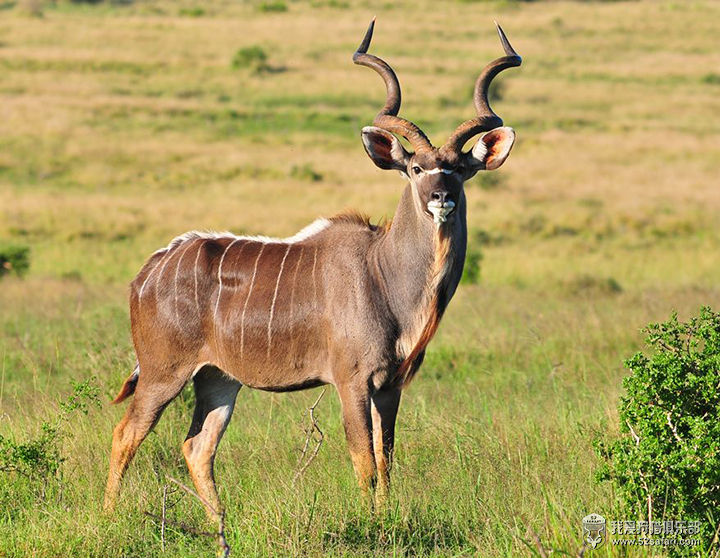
(14, 258)
(252, 57)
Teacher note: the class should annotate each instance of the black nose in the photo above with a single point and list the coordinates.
(440, 196)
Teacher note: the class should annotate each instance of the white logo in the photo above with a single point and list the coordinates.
(594, 530)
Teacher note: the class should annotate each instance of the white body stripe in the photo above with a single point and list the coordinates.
(162, 270)
(222, 259)
(250, 290)
(217, 302)
(313, 278)
(292, 295)
(177, 271)
(152, 271)
(197, 257)
(272, 306)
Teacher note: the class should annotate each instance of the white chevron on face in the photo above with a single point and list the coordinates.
(438, 171)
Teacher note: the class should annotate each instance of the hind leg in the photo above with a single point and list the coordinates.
(151, 398)
(215, 395)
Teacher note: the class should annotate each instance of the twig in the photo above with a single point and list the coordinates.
(162, 524)
(649, 496)
(2, 379)
(224, 550)
(530, 533)
(716, 540)
(194, 494)
(642, 477)
(672, 427)
(635, 436)
(310, 432)
(182, 525)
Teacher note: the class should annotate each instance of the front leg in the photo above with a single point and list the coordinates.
(385, 405)
(355, 399)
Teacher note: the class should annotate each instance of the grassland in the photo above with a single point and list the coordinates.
(124, 125)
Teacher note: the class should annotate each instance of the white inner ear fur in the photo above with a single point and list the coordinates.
(480, 150)
(397, 151)
(367, 132)
(501, 151)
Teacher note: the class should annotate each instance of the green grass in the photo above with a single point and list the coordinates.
(124, 125)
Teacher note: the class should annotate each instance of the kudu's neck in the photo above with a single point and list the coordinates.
(410, 257)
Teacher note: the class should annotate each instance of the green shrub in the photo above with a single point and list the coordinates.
(666, 463)
(585, 285)
(14, 258)
(193, 11)
(39, 459)
(36, 459)
(471, 271)
(489, 180)
(340, 4)
(273, 6)
(252, 57)
(306, 172)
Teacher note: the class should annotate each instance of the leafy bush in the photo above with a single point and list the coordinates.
(471, 271)
(585, 285)
(252, 57)
(273, 6)
(40, 458)
(340, 4)
(666, 463)
(306, 172)
(14, 258)
(489, 180)
(193, 11)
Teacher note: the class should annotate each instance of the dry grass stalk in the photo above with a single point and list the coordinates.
(532, 535)
(310, 430)
(224, 547)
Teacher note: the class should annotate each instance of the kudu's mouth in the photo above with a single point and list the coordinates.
(440, 211)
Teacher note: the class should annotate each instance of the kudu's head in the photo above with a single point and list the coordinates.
(437, 175)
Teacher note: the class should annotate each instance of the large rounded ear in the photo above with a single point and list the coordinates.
(492, 149)
(385, 149)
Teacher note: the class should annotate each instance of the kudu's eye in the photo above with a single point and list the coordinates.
(417, 170)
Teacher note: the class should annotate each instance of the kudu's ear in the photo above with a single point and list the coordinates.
(385, 149)
(492, 149)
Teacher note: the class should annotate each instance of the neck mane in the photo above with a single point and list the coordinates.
(419, 266)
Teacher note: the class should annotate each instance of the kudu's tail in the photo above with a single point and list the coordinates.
(128, 388)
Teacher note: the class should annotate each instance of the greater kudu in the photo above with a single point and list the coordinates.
(342, 302)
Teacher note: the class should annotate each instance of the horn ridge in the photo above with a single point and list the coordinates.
(387, 117)
(486, 118)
